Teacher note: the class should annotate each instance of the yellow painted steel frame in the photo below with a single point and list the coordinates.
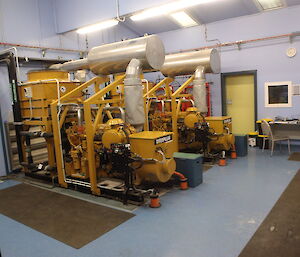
(175, 105)
(91, 126)
(46, 127)
(58, 121)
(150, 94)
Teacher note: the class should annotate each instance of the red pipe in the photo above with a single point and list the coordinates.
(208, 101)
(183, 180)
(180, 175)
(42, 48)
(242, 42)
(193, 49)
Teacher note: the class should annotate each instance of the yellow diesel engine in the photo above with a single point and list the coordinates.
(222, 128)
(211, 134)
(152, 149)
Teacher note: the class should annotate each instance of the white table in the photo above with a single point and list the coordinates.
(286, 128)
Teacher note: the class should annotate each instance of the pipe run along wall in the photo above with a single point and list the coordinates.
(197, 62)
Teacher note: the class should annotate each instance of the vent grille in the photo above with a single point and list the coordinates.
(296, 89)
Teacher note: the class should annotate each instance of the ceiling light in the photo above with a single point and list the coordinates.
(97, 26)
(183, 19)
(270, 4)
(167, 8)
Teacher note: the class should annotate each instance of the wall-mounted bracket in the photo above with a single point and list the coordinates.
(43, 52)
(238, 43)
(293, 35)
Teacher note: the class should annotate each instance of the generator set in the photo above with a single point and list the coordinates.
(94, 130)
(107, 135)
(193, 131)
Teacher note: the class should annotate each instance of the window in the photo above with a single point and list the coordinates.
(278, 94)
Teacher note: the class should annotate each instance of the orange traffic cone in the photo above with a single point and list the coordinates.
(154, 201)
(222, 161)
(233, 153)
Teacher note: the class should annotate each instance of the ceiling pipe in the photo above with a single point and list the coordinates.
(42, 48)
(241, 42)
(289, 35)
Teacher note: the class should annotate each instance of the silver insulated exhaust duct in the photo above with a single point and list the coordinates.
(133, 56)
(197, 62)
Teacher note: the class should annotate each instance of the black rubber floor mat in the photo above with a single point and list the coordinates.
(279, 234)
(294, 157)
(72, 221)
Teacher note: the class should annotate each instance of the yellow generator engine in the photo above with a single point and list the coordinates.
(206, 133)
(156, 149)
(192, 117)
(222, 128)
(115, 131)
(153, 149)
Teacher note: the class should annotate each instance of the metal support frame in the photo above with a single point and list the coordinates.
(175, 102)
(57, 121)
(176, 107)
(11, 62)
(90, 125)
(3, 139)
(149, 94)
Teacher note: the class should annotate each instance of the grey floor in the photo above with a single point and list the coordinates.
(216, 219)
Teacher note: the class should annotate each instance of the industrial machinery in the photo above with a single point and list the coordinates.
(104, 149)
(35, 97)
(192, 130)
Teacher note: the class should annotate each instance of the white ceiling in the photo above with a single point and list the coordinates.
(206, 13)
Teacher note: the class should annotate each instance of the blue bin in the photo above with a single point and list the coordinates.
(190, 165)
(241, 145)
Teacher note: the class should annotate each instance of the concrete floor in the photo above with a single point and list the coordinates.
(216, 219)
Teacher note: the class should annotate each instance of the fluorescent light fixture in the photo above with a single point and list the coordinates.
(167, 8)
(183, 19)
(270, 4)
(97, 26)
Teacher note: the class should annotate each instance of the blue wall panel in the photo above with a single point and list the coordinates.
(267, 57)
(71, 14)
